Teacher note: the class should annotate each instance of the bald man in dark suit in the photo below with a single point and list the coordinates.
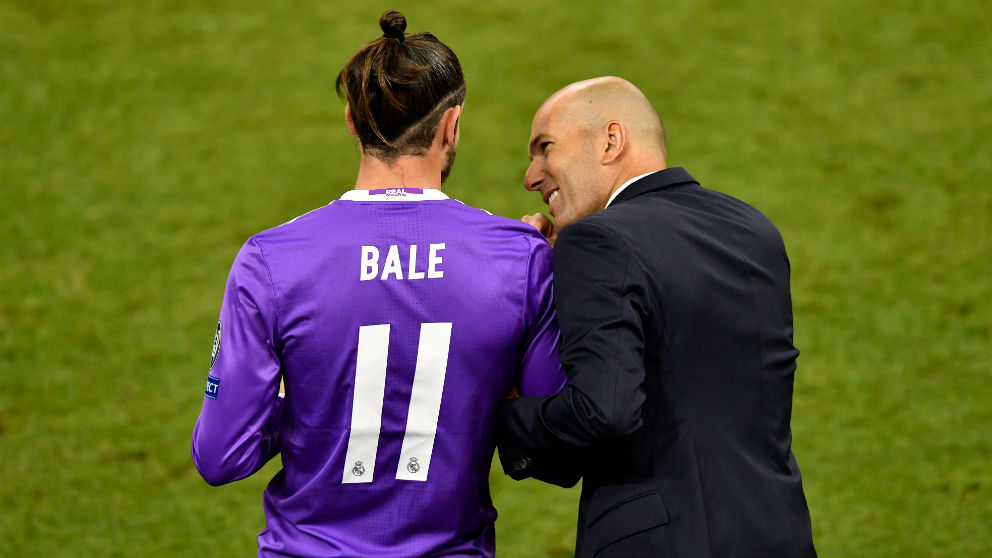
(676, 320)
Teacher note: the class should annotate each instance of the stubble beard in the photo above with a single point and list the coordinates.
(448, 164)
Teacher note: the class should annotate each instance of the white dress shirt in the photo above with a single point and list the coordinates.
(624, 186)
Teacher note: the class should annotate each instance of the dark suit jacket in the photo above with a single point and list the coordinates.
(676, 322)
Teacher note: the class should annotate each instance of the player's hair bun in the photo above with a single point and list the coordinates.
(398, 87)
(393, 24)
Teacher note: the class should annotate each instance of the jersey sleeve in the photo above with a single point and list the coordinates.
(540, 370)
(237, 430)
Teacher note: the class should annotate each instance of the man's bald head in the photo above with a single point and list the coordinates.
(592, 103)
(589, 139)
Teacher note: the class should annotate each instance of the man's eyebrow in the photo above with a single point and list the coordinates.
(536, 141)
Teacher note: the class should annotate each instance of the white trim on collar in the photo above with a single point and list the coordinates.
(394, 194)
(624, 186)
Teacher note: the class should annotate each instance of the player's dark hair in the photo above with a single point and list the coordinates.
(398, 87)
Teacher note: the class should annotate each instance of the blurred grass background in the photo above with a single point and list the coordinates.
(142, 142)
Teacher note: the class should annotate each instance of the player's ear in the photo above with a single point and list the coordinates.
(615, 136)
(449, 126)
(349, 121)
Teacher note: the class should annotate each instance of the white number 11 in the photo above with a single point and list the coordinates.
(425, 402)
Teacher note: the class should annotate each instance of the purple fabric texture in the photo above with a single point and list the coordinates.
(398, 320)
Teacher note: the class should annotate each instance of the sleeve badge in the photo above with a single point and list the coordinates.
(216, 350)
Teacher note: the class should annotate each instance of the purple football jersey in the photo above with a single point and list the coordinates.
(398, 319)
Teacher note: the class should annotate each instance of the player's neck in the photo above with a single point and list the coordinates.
(404, 172)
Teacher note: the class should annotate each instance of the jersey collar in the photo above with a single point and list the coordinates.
(394, 194)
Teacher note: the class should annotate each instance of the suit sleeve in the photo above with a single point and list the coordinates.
(600, 298)
(237, 431)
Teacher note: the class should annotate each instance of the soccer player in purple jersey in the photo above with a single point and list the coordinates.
(398, 319)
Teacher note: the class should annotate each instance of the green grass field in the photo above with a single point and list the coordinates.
(142, 142)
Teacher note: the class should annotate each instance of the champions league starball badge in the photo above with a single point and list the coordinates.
(216, 350)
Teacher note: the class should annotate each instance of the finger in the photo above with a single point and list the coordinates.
(538, 220)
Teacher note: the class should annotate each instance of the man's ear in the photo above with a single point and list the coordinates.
(616, 141)
(449, 126)
(349, 121)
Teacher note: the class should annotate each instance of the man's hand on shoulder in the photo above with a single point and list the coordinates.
(543, 224)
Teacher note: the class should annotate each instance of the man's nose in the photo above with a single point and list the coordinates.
(533, 178)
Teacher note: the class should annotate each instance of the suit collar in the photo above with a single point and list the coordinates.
(655, 181)
(623, 187)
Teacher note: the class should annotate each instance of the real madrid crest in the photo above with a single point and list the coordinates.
(413, 466)
(216, 349)
(358, 470)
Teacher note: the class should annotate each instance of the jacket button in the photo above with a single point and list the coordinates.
(522, 464)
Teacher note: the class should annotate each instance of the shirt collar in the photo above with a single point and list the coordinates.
(394, 194)
(624, 186)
